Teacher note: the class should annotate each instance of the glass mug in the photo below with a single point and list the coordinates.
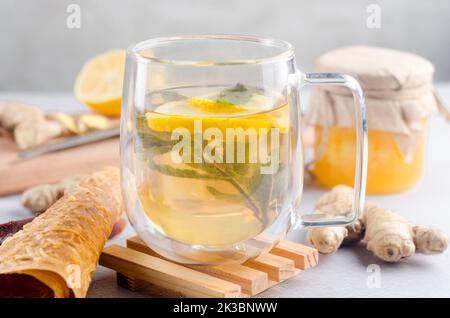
(211, 150)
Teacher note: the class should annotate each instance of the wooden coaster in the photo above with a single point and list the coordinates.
(138, 267)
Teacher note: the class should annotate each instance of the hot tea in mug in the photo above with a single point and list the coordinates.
(212, 163)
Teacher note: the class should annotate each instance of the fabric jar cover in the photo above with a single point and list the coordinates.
(397, 87)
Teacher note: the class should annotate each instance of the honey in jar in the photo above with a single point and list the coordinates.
(399, 101)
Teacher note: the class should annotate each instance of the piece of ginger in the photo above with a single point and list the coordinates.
(30, 126)
(39, 198)
(328, 239)
(36, 131)
(67, 122)
(27, 124)
(13, 113)
(386, 234)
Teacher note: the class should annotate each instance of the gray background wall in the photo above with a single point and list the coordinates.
(39, 52)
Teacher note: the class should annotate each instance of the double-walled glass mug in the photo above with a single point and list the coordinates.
(212, 163)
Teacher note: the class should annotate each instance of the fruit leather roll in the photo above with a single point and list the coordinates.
(56, 254)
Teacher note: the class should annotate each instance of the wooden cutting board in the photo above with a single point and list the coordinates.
(18, 174)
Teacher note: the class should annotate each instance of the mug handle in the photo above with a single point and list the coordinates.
(316, 220)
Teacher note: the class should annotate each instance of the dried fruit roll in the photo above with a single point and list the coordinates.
(56, 254)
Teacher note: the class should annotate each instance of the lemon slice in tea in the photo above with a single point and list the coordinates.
(257, 112)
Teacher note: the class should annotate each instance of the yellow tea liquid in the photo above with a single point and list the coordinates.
(206, 202)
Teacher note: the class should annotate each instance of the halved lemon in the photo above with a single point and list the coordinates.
(99, 83)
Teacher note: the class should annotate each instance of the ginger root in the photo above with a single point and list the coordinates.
(27, 124)
(39, 198)
(328, 239)
(30, 126)
(387, 235)
(36, 131)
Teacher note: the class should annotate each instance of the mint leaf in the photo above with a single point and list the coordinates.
(147, 137)
(237, 95)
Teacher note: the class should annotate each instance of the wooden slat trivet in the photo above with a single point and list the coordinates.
(138, 266)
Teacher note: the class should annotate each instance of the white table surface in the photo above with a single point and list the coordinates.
(343, 274)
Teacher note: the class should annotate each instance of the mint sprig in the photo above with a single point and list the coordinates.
(236, 95)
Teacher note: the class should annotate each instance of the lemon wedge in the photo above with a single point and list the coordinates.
(99, 83)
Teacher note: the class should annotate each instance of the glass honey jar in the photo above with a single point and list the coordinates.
(399, 98)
